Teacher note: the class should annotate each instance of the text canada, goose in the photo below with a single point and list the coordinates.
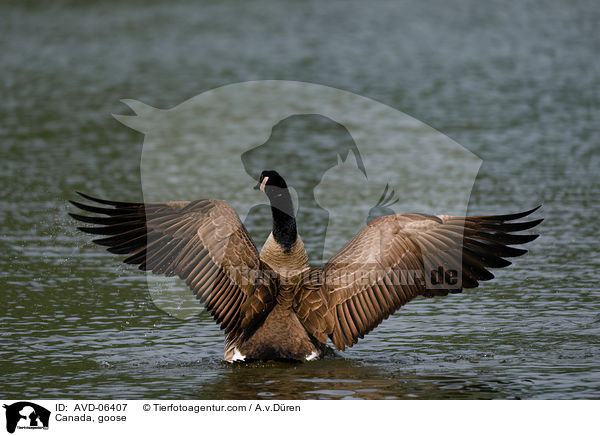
(273, 305)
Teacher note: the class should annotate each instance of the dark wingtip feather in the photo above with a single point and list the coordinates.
(469, 283)
(107, 202)
(77, 217)
(103, 220)
(95, 199)
(512, 227)
(515, 252)
(75, 203)
(509, 217)
(94, 209)
(136, 258)
(90, 230)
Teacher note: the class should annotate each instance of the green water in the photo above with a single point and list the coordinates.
(518, 84)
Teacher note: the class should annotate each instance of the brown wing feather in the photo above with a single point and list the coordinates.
(203, 242)
(391, 261)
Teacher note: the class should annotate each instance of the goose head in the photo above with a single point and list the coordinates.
(282, 207)
(272, 184)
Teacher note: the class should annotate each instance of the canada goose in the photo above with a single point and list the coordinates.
(273, 305)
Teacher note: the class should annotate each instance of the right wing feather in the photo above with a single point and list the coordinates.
(388, 263)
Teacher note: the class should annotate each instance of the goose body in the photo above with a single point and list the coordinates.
(281, 336)
(272, 305)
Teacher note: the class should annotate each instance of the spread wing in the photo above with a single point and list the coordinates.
(396, 258)
(203, 242)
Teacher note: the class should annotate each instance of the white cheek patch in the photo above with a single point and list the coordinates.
(263, 183)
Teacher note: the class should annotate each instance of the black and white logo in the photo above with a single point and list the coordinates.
(26, 415)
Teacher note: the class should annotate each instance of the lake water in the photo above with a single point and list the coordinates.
(518, 85)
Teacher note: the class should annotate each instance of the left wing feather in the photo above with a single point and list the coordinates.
(203, 242)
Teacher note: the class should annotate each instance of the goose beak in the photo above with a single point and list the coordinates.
(257, 187)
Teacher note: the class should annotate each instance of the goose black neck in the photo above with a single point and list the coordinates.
(284, 221)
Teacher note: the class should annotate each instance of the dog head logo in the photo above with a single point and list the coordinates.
(26, 415)
(360, 159)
